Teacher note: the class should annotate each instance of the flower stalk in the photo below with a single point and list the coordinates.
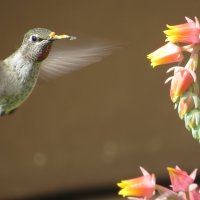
(184, 88)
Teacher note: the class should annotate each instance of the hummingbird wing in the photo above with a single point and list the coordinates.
(63, 61)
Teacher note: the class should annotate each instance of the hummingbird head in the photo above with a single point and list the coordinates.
(37, 43)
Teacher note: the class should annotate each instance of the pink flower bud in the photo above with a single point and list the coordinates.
(180, 180)
(187, 102)
(181, 81)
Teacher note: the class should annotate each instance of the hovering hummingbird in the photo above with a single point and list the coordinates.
(20, 71)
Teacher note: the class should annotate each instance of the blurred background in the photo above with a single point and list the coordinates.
(78, 135)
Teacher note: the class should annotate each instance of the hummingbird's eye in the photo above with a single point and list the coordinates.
(34, 38)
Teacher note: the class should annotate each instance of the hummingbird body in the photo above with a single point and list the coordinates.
(17, 80)
(20, 71)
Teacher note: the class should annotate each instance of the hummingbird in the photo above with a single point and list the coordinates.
(20, 71)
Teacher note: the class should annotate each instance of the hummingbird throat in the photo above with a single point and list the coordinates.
(44, 53)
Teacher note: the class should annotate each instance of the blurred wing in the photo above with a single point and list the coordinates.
(64, 61)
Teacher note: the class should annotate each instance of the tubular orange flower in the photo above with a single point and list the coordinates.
(187, 102)
(183, 78)
(143, 186)
(180, 180)
(185, 33)
(168, 53)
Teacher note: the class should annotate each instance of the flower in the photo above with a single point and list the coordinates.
(196, 132)
(181, 81)
(185, 33)
(180, 180)
(143, 186)
(194, 193)
(184, 88)
(187, 102)
(192, 119)
(168, 53)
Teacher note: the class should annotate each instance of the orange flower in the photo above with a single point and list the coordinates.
(143, 186)
(168, 53)
(181, 81)
(187, 102)
(185, 33)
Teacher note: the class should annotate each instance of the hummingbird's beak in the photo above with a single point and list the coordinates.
(53, 36)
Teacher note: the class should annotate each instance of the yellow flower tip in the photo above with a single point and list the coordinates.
(168, 26)
(121, 184)
(168, 40)
(170, 169)
(167, 32)
(152, 55)
(123, 193)
(169, 29)
(149, 56)
(154, 65)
